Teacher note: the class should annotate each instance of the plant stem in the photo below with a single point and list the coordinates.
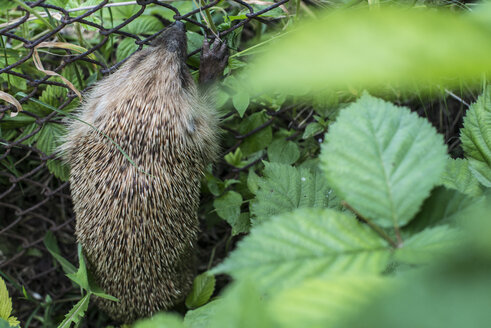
(374, 227)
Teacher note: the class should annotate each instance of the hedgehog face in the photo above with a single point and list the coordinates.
(173, 39)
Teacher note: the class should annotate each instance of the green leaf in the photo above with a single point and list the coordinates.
(282, 151)
(125, 48)
(84, 279)
(258, 140)
(228, 208)
(203, 287)
(312, 129)
(476, 138)
(429, 245)
(200, 318)
(382, 160)
(285, 188)
(241, 101)
(144, 25)
(161, 320)
(458, 176)
(444, 206)
(307, 243)
(241, 307)
(52, 247)
(76, 313)
(6, 305)
(325, 302)
(371, 48)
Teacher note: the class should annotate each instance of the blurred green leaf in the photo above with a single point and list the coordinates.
(476, 138)
(371, 48)
(307, 243)
(258, 140)
(203, 287)
(429, 245)
(200, 318)
(382, 160)
(241, 307)
(161, 320)
(319, 303)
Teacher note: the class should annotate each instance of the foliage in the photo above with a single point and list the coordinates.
(6, 306)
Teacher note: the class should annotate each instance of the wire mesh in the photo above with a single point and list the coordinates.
(34, 198)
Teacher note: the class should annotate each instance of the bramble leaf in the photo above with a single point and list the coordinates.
(476, 138)
(307, 243)
(285, 188)
(382, 160)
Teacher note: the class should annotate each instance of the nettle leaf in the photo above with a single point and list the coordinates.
(283, 151)
(458, 176)
(444, 206)
(125, 48)
(429, 245)
(325, 302)
(49, 138)
(167, 320)
(203, 287)
(476, 138)
(285, 188)
(228, 208)
(307, 243)
(382, 160)
(76, 313)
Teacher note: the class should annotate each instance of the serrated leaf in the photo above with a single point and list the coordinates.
(76, 313)
(429, 245)
(52, 247)
(476, 138)
(444, 206)
(241, 101)
(283, 151)
(458, 176)
(325, 302)
(125, 48)
(382, 160)
(6, 305)
(161, 320)
(307, 243)
(285, 188)
(203, 287)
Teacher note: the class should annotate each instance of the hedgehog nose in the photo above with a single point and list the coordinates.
(180, 25)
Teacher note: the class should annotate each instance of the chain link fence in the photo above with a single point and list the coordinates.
(34, 192)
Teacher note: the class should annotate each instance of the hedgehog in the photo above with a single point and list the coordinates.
(137, 220)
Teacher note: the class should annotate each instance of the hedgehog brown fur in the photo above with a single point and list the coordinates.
(138, 230)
